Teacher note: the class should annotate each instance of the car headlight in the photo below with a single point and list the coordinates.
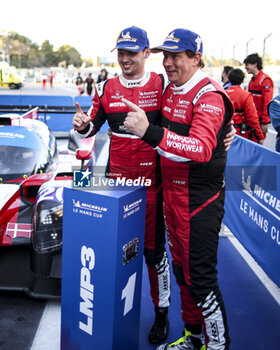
(47, 227)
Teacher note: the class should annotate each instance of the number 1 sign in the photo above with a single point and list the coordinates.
(102, 259)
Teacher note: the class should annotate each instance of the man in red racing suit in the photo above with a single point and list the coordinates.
(245, 118)
(261, 87)
(131, 158)
(196, 116)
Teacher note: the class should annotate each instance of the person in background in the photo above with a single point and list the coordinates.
(225, 74)
(274, 113)
(44, 81)
(89, 82)
(103, 76)
(79, 83)
(261, 87)
(51, 78)
(245, 118)
(196, 116)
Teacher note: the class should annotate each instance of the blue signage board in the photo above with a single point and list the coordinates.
(252, 206)
(102, 261)
(55, 121)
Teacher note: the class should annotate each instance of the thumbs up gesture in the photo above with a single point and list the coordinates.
(80, 120)
(136, 120)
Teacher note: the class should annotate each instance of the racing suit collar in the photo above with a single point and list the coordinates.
(135, 83)
(195, 79)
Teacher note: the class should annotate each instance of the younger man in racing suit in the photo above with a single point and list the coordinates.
(131, 158)
(196, 116)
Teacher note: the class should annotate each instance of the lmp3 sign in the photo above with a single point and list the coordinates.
(252, 207)
(102, 261)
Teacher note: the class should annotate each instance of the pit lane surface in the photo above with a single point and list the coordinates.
(36, 89)
(19, 319)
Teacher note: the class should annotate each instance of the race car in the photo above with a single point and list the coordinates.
(33, 174)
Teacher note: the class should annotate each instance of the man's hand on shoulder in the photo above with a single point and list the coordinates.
(229, 138)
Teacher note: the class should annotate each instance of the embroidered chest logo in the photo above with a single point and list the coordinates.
(148, 99)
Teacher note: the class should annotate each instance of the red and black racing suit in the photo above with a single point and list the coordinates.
(245, 118)
(130, 157)
(196, 118)
(261, 87)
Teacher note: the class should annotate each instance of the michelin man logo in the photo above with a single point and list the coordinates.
(171, 37)
(126, 35)
(81, 178)
(246, 183)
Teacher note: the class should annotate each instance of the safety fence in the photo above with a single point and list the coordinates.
(56, 111)
(252, 206)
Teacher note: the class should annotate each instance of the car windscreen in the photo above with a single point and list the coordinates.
(18, 162)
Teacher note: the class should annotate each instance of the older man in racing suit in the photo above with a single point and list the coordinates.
(196, 116)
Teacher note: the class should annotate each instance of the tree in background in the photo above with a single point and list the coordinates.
(19, 52)
(26, 54)
(48, 57)
(70, 55)
(19, 47)
(34, 56)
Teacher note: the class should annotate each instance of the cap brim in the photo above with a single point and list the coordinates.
(166, 48)
(135, 48)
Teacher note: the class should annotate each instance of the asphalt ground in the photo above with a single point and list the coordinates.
(30, 88)
(19, 320)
